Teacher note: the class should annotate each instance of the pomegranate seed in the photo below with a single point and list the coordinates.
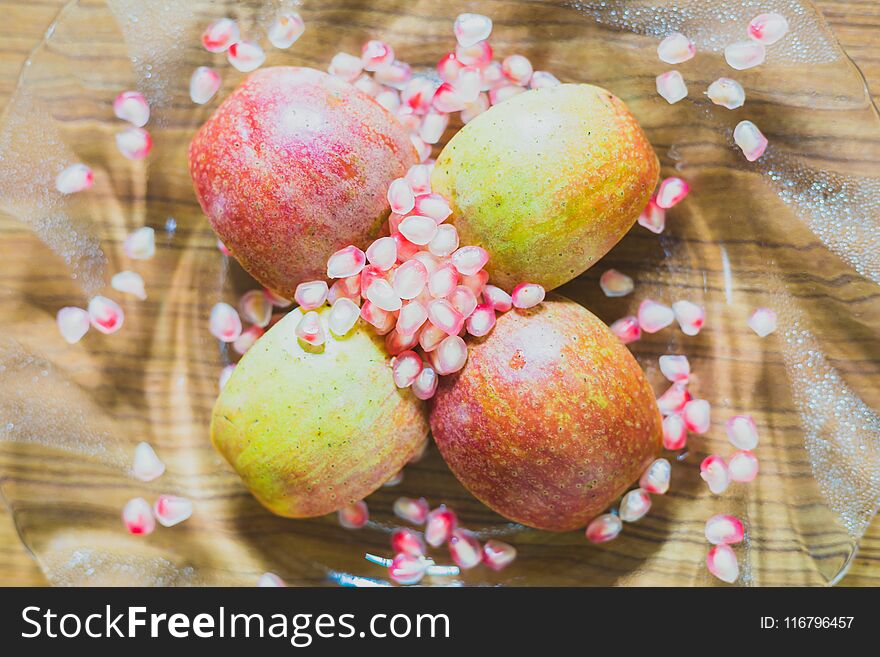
(406, 541)
(141, 244)
(309, 329)
(482, 321)
(411, 510)
(396, 343)
(75, 178)
(447, 99)
(225, 374)
(430, 338)
(286, 29)
(131, 106)
(672, 191)
(743, 467)
(345, 288)
(389, 99)
(714, 471)
(763, 322)
(768, 28)
(394, 481)
(246, 56)
(409, 280)
(497, 298)
(615, 284)
(434, 206)
(653, 217)
(354, 516)
(674, 432)
(418, 229)
(676, 49)
(541, 79)
(429, 260)
(138, 517)
(172, 510)
(463, 300)
(450, 355)
(346, 262)
(425, 384)
(220, 35)
(411, 318)
(498, 555)
(504, 92)
(146, 465)
(247, 339)
(203, 85)
(474, 109)
(634, 505)
(368, 85)
(419, 179)
(376, 55)
(382, 253)
(270, 581)
(742, 432)
(129, 282)
(418, 94)
(311, 295)
(750, 139)
(407, 367)
(527, 295)
(744, 54)
(345, 66)
(696, 415)
(73, 323)
(656, 478)
(675, 368)
(423, 149)
(654, 316)
(671, 87)
(468, 84)
(470, 29)
(478, 55)
(433, 126)
(517, 69)
(445, 242)
(382, 295)
(400, 196)
(724, 530)
(445, 317)
(382, 320)
(604, 528)
(134, 143)
(674, 399)
(395, 75)
(690, 316)
(721, 562)
(276, 300)
(465, 549)
(443, 281)
(627, 329)
(406, 569)
(492, 75)
(439, 525)
(448, 67)
(255, 308)
(727, 93)
(105, 314)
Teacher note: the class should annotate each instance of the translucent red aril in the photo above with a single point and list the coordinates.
(406, 569)
(627, 329)
(697, 415)
(146, 465)
(138, 517)
(714, 471)
(463, 300)
(411, 510)
(482, 321)
(246, 56)
(395, 480)
(497, 298)
(309, 329)
(418, 94)
(450, 355)
(276, 300)
(674, 432)
(382, 295)
(418, 229)
(409, 280)
(654, 316)
(73, 323)
(447, 99)
(672, 191)
(470, 29)
(445, 317)
(527, 295)
(750, 139)
(407, 367)
(671, 87)
(255, 308)
(425, 384)
(476, 282)
(395, 75)
(744, 54)
(270, 581)
(382, 253)
(203, 84)
(429, 260)
(75, 178)
(433, 126)
(690, 316)
(311, 295)
(676, 48)
(742, 432)
(411, 318)
(726, 92)
(396, 343)
(743, 467)
(106, 315)
(381, 320)
(376, 54)
(286, 29)
(247, 339)
(498, 555)
(517, 69)
(419, 179)
(434, 206)
(465, 549)
(604, 528)
(423, 149)
(768, 28)
(346, 262)
(724, 530)
(443, 281)
(141, 244)
(345, 288)
(131, 106)
(653, 217)
(400, 196)
(448, 67)
(763, 322)
(474, 109)
(354, 516)
(634, 505)
(439, 525)
(445, 242)
(504, 92)
(220, 34)
(343, 316)
(389, 99)
(406, 541)
(345, 66)
(492, 75)
(430, 337)
(172, 510)
(478, 55)
(656, 478)
(721, 562)
(134, 143)
(225, 374)
(675, 368)
(674, 399)
(468, 84)
(615, 284)
(541, 79)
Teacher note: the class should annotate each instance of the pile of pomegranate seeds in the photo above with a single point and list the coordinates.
(138, 516)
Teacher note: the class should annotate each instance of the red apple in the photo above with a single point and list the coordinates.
(551, 418)
(294, 165)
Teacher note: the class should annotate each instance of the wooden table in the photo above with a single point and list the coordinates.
(856, 23)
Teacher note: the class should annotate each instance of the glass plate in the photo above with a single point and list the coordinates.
(796, 231)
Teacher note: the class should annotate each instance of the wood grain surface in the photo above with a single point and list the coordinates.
(857, 25)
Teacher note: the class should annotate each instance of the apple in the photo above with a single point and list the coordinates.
(294, 165)
(547, 182)
(313, 429)
(551, 419)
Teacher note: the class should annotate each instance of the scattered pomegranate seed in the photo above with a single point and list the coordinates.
(742, 432)
(376, 55)
(425, 384)
(406, 541)
(744, 54)
(134, 143)
(345, 66)
(75, 178)
(763, 322)
(676, 49)
(690, 317)
(146, 465)
(674, 399)
(246, 56)
(225, 374)
(172, 510)
(656, 478)
(721, 562)
(138, 517)
(634, 505)
(354, 516)
(409, 279)
(517, 69)
(768, 28)
(627, 329)
(527, 295)
(400, 196)
(430, 338)
(474, 109)
(743, 467)
(470, 29)
(129, 282)
(445, 317)
(131, 106)
(407, 569)
(604, 528)
(311, 295)
(675, 368)
(671, 87)
(433, 126)
(418, 94)
(713, 470)
(450, 355)
(411, 318)
(463, 300)
(726, 92)
(492, 76)
(615, 284)
(310, 330)
(478, 55)
(225, 323)
(411, 510)
(724, 530)
(418, 229)
(255, 308)
(105, 315)
(497, 298)
(434, 206)
(481, 321)
(541, 79)
(73, 323)
(654, 316)
(203, 85)
(220, 35)
(439, 525)
(406, 369)
(696, 415)
(498, 555)
(382, 295)
(674, 432)
(247, 339)
(397, 343)
(276, 300)
(504, 92)
(672, 191)
(270, 581)
(381, 320)
(286, 29)
(395, 75)
(653, 217)
(465, 549)
(445, 242)
(468, 84)
(751, 140)
(447, 99)
(394, 480)
(382, 253)
(141, 244)
(346, 262)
